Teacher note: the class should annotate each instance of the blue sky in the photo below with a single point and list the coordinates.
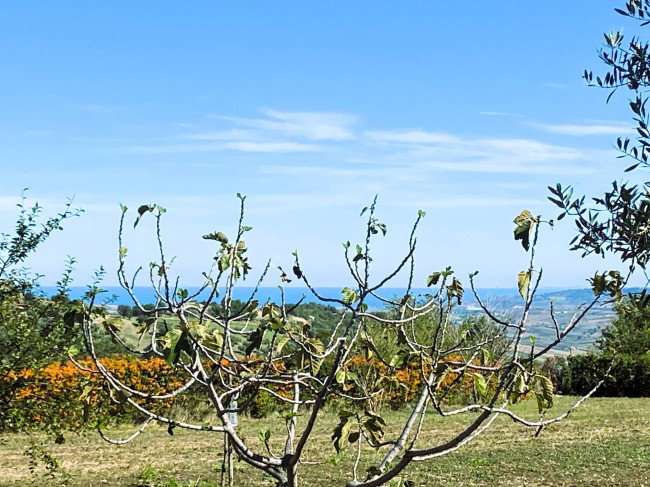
(465, 110)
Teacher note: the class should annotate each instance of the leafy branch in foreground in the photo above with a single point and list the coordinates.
(618, 221)
(240, 350)
(34, 330)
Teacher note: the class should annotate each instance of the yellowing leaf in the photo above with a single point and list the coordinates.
(525, 223)
(523, 280)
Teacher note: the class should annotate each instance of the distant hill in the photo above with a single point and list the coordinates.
(540, 325)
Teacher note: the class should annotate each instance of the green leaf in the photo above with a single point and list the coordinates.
(455, 289)
(277, 324)
(123, 251)
(349, 295)
(486, 356)
(433, 279)
(224, 262)
(524, 226)
(173, 343)
(371, 413)
(523, 280)
(422, 213)
(214, 340)
(598, 284)
(264, 435)
(399, 359)
(281, 342)
(219, 236)
(481, 386)
(334, 460)
(374, 428)
(519, 387)
(255, 339)
(543, 389)
(340, 376)
(141, 211)
(341, 432)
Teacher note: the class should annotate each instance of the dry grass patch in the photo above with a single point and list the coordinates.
(606, 442)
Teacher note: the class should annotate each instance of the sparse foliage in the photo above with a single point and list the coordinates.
(34, 330)
(237, 351)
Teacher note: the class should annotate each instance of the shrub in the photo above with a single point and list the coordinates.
(629, 377)
(63, 395)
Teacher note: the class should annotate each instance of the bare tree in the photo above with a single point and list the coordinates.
(246, 349)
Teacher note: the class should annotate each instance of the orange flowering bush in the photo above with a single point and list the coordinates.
(62, 394)
(400, 385)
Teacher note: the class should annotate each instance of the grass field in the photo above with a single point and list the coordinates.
(605, 442)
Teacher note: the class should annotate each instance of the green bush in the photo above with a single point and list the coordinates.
(630, 376)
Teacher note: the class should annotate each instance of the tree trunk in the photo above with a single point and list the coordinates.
(292, 477)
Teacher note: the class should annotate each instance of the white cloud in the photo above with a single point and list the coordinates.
(242, 146)
(526, 149)
(250, 146)
(585, 130)
(308, 125)
(232, 134)
(507, 167)
(472, 202)
(412, 137)
(449, 152)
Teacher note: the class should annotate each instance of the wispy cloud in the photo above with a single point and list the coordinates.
(507, 167)
(281, 132)
(473, 202)
(250, 146)
(383, 153)
(558, 86)
(232, 134)
(450, 152)
(412, 137)
(585, 129)
(242, 146)
(99, 109)
(308, 125)
(527, 149)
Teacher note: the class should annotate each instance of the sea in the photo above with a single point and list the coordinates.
(116, 295)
